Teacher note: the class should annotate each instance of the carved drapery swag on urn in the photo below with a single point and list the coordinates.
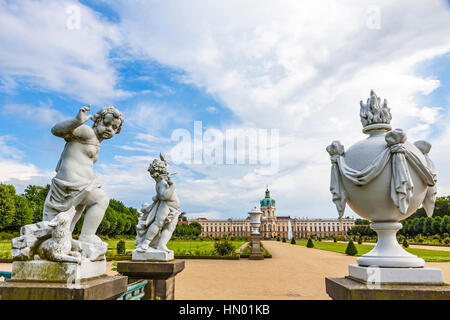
(376, 116)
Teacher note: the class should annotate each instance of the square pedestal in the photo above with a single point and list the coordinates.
(349, 289)
(49, 271)
(256, 253)
(156, 255)
(373, 275)
(101, 288)
(160, 276)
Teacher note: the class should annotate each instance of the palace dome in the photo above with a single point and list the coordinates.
(267, 201)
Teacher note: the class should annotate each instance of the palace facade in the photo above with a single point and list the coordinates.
(273, 226)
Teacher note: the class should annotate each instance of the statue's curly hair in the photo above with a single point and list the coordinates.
(100, 115)
(157, 167)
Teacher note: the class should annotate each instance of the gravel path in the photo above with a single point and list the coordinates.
(294, 272)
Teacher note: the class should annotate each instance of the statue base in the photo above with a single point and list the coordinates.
(256, 253)
(388, 253)
(154, 255)
(374, 275)
(160, 276)
(350, 289)
(49, 271)
(101, 288)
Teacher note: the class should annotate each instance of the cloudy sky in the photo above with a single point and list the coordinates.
(298, 68)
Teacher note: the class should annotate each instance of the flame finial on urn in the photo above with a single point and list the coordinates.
(374, 114)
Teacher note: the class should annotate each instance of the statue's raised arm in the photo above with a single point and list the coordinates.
(66, 128)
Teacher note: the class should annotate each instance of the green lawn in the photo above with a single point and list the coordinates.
(179, 245)
(427, 255)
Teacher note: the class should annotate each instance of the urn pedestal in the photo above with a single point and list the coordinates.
(160, 276)
(256, 253)
(351, 289)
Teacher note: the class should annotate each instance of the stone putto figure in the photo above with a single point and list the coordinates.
(159, 219)
(73, 190)
(74, 171)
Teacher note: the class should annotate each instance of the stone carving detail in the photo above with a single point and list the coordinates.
(383, 179)
(159, 219)
(374, 112)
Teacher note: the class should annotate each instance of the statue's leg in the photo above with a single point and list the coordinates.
(79, 210)
(96, 204)
(153, 231)
(166, 234)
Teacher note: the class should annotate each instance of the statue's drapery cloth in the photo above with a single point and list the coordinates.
(65, 194)
(163, 207)
(401, 181)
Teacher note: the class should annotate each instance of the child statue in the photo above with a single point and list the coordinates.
(74, 171)
(159, 219)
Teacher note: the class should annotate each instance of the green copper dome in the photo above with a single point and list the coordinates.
(267, 201)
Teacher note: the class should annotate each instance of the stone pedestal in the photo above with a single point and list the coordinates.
(388, 253)
(160, 276)
(49, 271)
(100, 288)
(256, 253)
(154, 255)
(374, 275)
(350, 289)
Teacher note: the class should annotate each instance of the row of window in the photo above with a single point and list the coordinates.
(279, 229)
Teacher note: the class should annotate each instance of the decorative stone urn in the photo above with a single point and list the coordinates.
(255, 220)
(384, 179)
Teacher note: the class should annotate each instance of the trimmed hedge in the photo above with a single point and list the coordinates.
(351, 249)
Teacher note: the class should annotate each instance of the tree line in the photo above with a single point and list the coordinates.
(17, 210)
(417, 223)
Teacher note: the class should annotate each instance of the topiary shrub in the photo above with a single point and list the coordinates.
(405, 243)
(284, 240)
(334, 239)
(293, 241)
(278, 238)
(223, 248)
(351, 249)
(310, 243)
(120, 247)
(360, 240)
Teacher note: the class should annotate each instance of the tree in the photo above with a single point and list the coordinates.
(310, 243)
(435, 225)
(445, 225)
(36, 198)
(7, 206)
(182, 216)
(121, 248)
(196, 228)
(427, 229)
(24, 214)
(351, 249)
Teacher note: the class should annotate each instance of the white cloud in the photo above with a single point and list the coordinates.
(41, 114)
(14, 170)
(298, 66)
(39, 48)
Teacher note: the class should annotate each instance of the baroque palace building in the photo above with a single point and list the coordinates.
(273, 226)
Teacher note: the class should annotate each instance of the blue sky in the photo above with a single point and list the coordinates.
(297, 67)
